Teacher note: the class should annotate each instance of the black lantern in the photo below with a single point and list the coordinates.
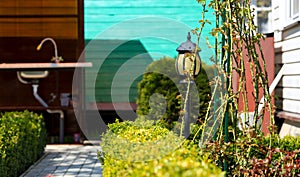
(188, 65)
(188, 62)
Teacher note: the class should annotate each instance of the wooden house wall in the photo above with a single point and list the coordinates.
(115, 75)
(55, 18)
(287, 52)
(23, 24)
(102, 15)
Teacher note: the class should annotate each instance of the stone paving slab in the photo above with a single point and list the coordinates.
(67, 161)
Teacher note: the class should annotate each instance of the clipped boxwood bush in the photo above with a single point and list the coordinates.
(161, 78)
(141, 148)
(22, 141)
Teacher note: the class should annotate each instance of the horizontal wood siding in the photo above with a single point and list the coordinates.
(290, 44)
(110, 12)
(103, 14)
(291, 106)
(116, 71)
(288, 53)
(172, 19)
(42, 7)
(289, 93)
(28, 27)
(291, 56)
(292, 81)
(31, 18)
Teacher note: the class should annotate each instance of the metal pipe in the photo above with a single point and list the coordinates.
(22, 80)
(54, 44)
(42, 102)
(37, 96)
(57, 111)
(61, 123)
(187, 115)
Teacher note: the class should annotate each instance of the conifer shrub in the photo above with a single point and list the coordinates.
(161, 82)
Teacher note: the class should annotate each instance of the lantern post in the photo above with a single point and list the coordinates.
(188, 66)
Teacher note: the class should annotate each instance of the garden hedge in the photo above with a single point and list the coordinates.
(256, 156)
(22, 141)
(141, 148)
(161, 79)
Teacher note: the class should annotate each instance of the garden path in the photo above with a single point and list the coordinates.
(67, 161)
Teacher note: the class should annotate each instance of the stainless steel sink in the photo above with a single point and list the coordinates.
(34, 74)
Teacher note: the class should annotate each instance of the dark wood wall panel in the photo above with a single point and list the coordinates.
(28, 27)
(55, 18)
(41, 7)
(23, 25)
(23, 50)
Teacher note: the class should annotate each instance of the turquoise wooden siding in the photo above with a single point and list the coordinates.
(159, 26)
(102, 15)
(115, 74)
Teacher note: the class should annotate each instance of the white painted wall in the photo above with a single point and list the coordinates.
(287, 47)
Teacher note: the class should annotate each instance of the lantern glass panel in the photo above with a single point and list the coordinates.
(186, 61)
(180, 64)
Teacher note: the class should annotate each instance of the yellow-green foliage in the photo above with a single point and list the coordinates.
(22, 141)
(141, 149)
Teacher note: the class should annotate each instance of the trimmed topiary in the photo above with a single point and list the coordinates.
(142, 148)
(22, 141)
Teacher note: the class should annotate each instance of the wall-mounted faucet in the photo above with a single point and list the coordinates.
(55, 58)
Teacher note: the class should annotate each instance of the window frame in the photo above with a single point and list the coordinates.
(292, 17)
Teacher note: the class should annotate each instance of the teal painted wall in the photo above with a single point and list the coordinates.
(172, 19)
(159, 26)
(115, 74)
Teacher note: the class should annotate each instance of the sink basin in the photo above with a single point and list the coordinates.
(34, 74)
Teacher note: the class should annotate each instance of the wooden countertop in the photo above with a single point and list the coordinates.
(18, 66)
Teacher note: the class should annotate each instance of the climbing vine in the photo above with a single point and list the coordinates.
(237, 51)
(237, 46)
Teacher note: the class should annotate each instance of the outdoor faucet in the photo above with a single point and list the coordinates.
(56, 58)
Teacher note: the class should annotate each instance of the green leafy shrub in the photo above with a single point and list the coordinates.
(142, 148)
(289, 143)
(256, 156)
(141, 140)
(161, 78)
(22, 141)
